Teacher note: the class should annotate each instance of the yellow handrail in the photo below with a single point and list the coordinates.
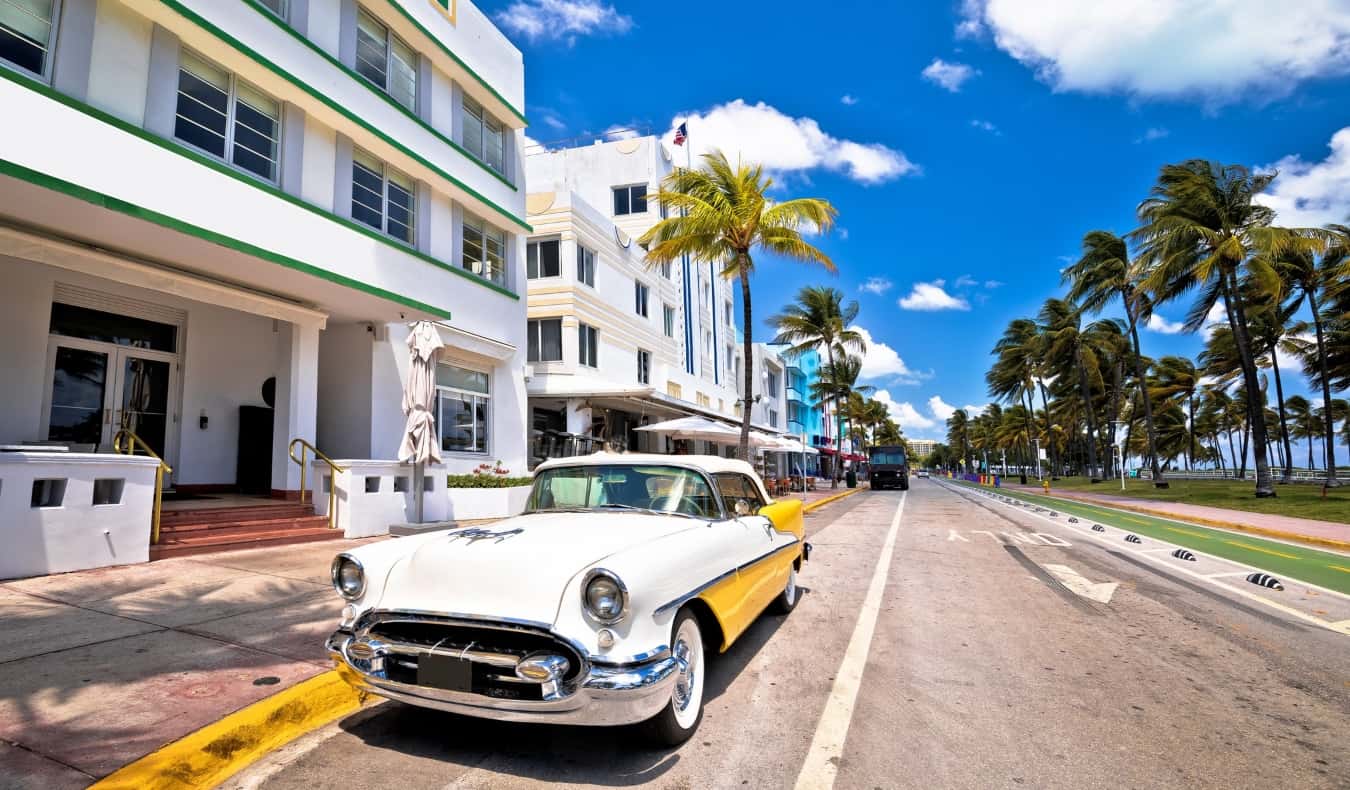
(333, 469)
(132, 442)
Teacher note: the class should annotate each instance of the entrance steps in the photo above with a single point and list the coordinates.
(205, 530)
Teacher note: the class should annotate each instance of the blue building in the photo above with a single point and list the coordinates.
(803, 417)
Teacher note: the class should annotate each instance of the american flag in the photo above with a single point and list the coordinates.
(682, 133)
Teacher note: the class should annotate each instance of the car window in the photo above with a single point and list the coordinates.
(666, 489)
(735, 487)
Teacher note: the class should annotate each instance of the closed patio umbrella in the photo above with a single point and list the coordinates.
(420, 442)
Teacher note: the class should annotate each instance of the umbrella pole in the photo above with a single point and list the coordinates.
(418, 493)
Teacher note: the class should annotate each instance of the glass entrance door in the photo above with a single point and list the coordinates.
(143, 388)
(79, 400)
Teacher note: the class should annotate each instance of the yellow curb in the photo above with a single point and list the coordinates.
(819, 503)
(217, 751)
(1210, 522)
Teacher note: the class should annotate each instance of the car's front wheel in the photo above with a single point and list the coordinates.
(788, 598)
(678, 720)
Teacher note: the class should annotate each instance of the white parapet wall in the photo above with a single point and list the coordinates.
(371, 496)
(72, 511)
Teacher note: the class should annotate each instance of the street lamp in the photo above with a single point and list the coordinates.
(1119, 447)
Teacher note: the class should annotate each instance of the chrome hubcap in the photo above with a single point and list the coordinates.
(686, 669)
(792, 586)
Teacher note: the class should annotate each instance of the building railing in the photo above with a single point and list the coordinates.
(333, 469)
(127, 443)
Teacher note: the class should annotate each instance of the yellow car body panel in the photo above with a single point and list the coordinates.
(738, 600)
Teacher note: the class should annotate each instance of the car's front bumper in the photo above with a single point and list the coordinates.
(606, 695)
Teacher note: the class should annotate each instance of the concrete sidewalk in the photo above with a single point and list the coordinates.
(1328, 534)
(102, 667)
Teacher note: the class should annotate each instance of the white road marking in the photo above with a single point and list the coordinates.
(827, 746)
(954, 535)
(1052, 540)
(1101, 593)
(1342, 627)
(1224, 575)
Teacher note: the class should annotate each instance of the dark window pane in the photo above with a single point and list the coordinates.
(201, 114)
(639, 199)
(549, 263)
(480, 413)
(532, 261)
(620, 201)
(456, 426)
(24, 37)
(551, 340)
(78, 381)
(532, 353)
(123, 330)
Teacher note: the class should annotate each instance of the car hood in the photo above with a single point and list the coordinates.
(516, 568)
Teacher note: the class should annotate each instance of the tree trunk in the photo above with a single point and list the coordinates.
(1232, 454)
(1237, 318)
(1218, 452)
(1284, 420)
(1049, 434)
(1190, 427)
(1310, 449)
(1091, 441)
(839, 449)
(1330, 440)
(1142, 376)
(748, 350)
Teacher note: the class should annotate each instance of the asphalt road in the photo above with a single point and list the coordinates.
(947, 640)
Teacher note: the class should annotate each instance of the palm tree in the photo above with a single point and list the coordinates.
(819, 320)
(958, 436)
(838, 381)
(1304, 420)
(1013, 374)
(1103, 273)
(1306, 281)
(1202, 229)
(1178, 378)
(1069, 351)
(724, 216)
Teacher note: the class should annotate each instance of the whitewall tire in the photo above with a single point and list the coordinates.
(680, 718)
(788, 598)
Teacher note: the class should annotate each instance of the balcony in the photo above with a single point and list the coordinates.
(795, 395)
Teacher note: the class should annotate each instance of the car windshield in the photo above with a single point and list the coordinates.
(661, 489)
(896, 457)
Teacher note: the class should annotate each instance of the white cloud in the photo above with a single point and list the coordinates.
(562, 19)
(784, 144)
(848, 100)
(986, 126)
(1220, 51)
(992, 284)
(876, 285)
(931, 296)
(940, 408)
(620, 133)
(950, 76)
(1153, 133)
(965, 281)
(975, 411)
(905, 415)
(1216, 317)
(1310, 194)
(1164, 327)
(881, 362)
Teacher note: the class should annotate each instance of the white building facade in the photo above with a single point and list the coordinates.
(217, 221)
(615, 344)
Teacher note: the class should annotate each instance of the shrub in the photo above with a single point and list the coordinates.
(487, 481)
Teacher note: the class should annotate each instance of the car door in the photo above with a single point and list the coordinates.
(761, 552)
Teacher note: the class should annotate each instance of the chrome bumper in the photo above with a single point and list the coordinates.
(607, 695)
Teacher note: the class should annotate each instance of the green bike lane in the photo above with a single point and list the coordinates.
(1312, 566)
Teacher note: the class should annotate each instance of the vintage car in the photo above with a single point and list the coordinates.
(599, 605)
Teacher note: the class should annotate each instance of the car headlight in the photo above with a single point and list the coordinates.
(349, 578)
(604, 596)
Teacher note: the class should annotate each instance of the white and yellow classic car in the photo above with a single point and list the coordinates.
(598, 605)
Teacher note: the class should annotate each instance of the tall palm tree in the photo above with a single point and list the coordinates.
(1178, 378)
(958, 436)
(723, 217)
(819, 321)
(1068, 350)
(837, 381)
(1304, 420)
(1013, 374)
(1201, 229)
(1103, 273)
(1307, 280)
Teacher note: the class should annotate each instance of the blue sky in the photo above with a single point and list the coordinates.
(968, 145)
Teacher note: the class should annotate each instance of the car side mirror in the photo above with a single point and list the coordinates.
(742, 508)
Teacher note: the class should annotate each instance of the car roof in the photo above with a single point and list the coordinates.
(708, 464)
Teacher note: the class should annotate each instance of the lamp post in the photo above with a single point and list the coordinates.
(1119, 447)
(1038, 458)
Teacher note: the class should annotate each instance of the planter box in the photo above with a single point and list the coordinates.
(474, 503)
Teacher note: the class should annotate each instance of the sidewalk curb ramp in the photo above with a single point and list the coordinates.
(1279, 534)
(819, 503)
(216, 752)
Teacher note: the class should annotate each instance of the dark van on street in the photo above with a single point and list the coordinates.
(888, 467)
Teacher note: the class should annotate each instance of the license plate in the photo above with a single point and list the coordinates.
(444, 672)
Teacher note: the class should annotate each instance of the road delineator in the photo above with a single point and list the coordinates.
(1133, 539)
(1265, 580)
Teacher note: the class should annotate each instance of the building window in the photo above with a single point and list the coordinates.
(773, 418)
(729, 321)
(640, 293)
(463, 413)
(630, 200)
(707, 295)
(588, 349)
(545, 341)
(542, 259)
(771, 384)
(665, 270)
(731, 357)
(278, 7)
(385, 60)
(224, 117)
(707, 344)
(26, 28)
(484, 136)
(668, 315)
(585, 266)
(484, 250)
(382, 197)
(644, 366)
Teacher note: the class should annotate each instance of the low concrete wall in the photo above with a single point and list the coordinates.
(52, 522)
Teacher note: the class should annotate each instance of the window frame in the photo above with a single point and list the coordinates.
(390, 38)
(53, 30)
(232, 100)
(385, 182)
(487, 124)
(474, 397)
(535, 332)
(642, 294)
(487, 232)
(284, 13)
(588, 346)
(585, 265)
(537, 244)
(668, 319)
(627, 191)
(644, 366)
(750, 492)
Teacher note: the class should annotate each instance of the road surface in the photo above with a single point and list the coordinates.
(948, 639)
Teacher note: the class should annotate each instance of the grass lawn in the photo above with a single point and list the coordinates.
(1300, 500)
